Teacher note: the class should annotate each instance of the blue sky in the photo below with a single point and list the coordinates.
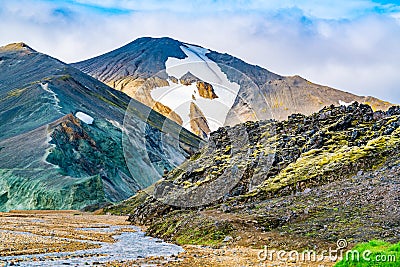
(328, 9)
(352, 45)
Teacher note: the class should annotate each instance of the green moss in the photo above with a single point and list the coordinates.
(199, 170)
(325, 163)
(175, 174)
(227, 149)
(64, 77)
(222, 157)
(106, 100)
(191, 229)
(16, 92)
(256, 152)
(195, 156)
(127, 206)
(187, 184)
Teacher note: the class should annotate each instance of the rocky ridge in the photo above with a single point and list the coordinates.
(306, 182)
(64, 133)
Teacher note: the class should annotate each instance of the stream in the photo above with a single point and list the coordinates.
(128, 246)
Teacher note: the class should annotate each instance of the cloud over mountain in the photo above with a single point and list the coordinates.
(351, 45)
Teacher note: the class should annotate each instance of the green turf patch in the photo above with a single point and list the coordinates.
(374, 253)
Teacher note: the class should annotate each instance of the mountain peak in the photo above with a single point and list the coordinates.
(152, 42)
(247, 92)
(17, 47)
(74, 110)
(155, 39)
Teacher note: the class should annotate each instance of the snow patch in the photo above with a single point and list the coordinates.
(45, 86)
(342, 103)
(115, 124)
(84, 117)
(178, 97)
(49, 149)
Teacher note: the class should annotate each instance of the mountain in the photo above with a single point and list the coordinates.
(68, 141)
(177, 78)
(300, 183)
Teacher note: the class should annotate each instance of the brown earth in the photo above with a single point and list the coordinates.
(62, 227)
(200, 256)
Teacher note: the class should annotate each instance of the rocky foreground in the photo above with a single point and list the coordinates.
(67, 237)
(57, 238)
(304, 183)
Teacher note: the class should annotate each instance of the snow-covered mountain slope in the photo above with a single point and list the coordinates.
(179, 97)
(169, 76)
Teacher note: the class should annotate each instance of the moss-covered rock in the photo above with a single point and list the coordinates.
(308, 175)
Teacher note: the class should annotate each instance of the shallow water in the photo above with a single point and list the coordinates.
(128, 246)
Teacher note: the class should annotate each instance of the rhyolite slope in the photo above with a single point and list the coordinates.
(140, 66)
(68, 141)
(304, 183)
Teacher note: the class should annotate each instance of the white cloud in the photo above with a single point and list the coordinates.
(358, 54)
(327, 9)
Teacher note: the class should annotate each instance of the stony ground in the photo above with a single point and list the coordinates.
(200, 256)
(34, 232)
(62, 226)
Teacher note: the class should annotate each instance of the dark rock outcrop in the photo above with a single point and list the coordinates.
(295, 176)
(188, 78)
